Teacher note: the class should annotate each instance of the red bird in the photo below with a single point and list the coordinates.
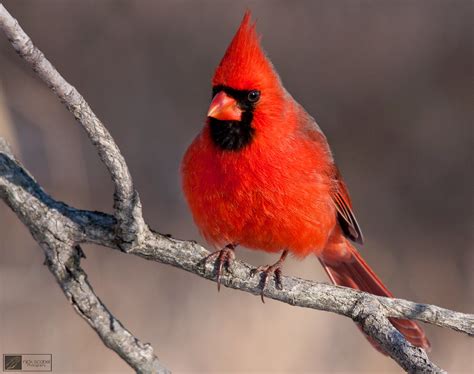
(260, 174)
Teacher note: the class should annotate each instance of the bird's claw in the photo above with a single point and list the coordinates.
(267, 271)
(223, 260)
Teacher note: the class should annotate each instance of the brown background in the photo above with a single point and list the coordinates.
(388, 81)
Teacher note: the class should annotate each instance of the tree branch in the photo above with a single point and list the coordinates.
(66, 224)
(127, 205)
(60, 229)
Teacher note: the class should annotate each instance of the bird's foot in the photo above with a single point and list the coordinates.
(269, 270)
(222, 260)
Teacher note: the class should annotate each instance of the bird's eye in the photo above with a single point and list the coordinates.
(253, 96)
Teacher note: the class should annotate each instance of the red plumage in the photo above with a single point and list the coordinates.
(282, 190)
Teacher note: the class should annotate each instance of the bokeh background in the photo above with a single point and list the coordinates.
(390, 83)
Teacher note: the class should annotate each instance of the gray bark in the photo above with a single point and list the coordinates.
(61, 229)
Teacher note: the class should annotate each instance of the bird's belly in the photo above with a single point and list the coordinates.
(254, 213)
(281, 221)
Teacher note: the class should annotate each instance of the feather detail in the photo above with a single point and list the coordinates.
(355, 273)
(245, 64)
(347, 220)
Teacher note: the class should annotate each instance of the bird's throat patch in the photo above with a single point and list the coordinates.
(232, 135)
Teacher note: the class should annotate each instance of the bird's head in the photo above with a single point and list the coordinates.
(246, 91)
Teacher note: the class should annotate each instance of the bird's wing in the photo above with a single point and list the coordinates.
(340, 196)
(345, 215)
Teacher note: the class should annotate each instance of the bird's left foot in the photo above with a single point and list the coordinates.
(269, 270)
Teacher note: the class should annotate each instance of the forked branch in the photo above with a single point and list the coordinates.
(60, 230)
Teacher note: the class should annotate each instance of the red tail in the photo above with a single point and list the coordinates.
(356, 274)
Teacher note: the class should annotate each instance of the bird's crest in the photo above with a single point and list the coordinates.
(245, 65)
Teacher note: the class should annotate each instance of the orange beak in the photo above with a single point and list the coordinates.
(225, 108)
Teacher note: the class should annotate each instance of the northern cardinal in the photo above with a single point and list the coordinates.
(260, 174)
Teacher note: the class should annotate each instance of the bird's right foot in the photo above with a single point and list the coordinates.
(223, 260)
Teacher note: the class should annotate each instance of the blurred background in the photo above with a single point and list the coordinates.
(390, 83)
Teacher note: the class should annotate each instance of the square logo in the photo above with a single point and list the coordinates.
(27, 362)
(12, 363)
